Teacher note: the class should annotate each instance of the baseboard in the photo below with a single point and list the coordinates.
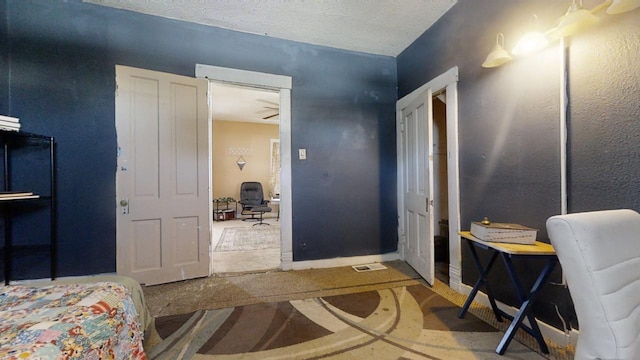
(286, 261)
(548, 332)
(344, 261)
(455, 278)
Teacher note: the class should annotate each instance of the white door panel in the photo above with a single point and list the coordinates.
(163, 231)
(417, 186)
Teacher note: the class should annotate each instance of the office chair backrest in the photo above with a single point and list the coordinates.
(251, 193)
(600, 255)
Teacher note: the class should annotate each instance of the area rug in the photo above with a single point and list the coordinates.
(409, 322)
(249, 238)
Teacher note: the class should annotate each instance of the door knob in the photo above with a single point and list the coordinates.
(125, 206)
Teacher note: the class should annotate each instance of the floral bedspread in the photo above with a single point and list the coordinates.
(78, 321)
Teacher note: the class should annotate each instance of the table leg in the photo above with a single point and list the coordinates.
(482, 280)
(527, 302)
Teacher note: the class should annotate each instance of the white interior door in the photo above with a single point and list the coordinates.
(162, 179)
(417, 184)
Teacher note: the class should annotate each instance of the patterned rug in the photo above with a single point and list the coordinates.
(249, 238)
(410, 322)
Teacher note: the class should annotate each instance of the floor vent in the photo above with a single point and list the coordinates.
(369, 267)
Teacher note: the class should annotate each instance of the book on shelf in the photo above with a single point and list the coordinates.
(17, 195)
(9, 119)
(9, 123)
(504, 232)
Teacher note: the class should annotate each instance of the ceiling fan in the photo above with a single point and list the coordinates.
(273, 107)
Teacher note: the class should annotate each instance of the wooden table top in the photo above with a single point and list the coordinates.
(538, 248)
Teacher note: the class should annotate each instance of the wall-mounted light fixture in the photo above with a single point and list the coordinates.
(532, 41)
(575, 20)
(572, 22)
(241, 162)
(620, 6)
(498, 55)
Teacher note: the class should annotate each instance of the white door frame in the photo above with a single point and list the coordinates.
(282, 84)
(449, 82)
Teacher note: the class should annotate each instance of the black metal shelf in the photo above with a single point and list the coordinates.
(221, 214)
(11, 142)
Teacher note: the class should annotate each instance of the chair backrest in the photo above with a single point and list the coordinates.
(251, 193)
(599, 253)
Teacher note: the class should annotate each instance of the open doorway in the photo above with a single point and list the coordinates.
(245, 148)
(440, 187)
(282, 85)
(428, 179)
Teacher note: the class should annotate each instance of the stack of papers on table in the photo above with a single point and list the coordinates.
(504, 232)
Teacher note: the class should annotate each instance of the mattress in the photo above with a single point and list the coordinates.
(135, 290)
(94, 320)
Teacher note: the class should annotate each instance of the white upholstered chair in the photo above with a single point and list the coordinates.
(599, 253)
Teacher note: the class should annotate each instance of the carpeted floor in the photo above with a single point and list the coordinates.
(229, 290)
(233, 293)
(409, 322)
(249, 238)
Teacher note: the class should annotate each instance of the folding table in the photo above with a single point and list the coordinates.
(508, 252)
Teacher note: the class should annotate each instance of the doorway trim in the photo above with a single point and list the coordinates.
(447, 81)
(282, 84)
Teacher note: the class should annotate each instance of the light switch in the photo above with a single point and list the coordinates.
(302, 154)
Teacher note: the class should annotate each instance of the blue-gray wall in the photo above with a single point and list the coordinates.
(508, 121)
(4, 61)
(60, 81)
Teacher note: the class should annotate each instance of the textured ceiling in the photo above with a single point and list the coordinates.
(383, 27)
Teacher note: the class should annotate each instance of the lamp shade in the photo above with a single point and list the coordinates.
(620, 6)
(575, 20)
(498, 55)
(530, 43)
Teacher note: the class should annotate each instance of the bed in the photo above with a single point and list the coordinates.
(99, 317)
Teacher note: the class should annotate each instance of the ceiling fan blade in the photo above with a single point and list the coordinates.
(270, 116)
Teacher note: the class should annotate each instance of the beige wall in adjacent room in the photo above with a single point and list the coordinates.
(232, 135)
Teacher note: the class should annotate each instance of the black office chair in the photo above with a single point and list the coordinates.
(253, 202)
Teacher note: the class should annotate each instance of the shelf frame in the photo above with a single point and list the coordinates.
(11, 139)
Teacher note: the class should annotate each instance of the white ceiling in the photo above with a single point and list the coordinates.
(235, 103)
(382, 27)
